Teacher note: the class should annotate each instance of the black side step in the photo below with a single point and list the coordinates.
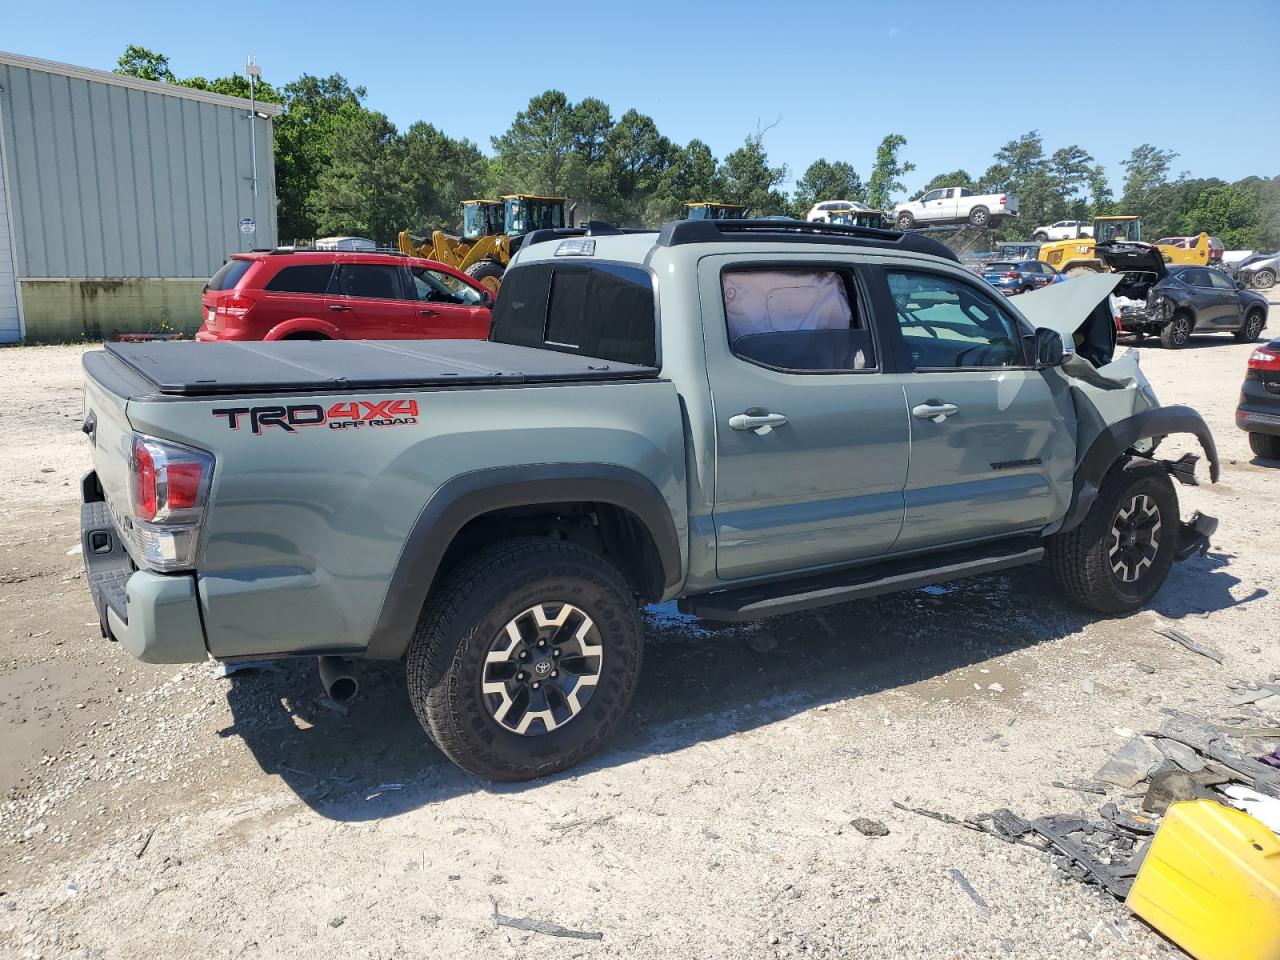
(791, 596)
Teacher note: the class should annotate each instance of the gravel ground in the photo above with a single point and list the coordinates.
(163, 812)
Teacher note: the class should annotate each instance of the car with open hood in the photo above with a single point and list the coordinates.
(821, 414)
(1175, 302)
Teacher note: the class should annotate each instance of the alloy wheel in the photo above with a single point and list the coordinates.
(1135, 538)
(1181, 330)
(542, 668)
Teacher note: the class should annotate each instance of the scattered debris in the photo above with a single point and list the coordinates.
(585, 823)
(1131, 764)
(996, 687)
(1177, 636)
(1087, 687)
(146, 842)
(967, 887)
(1084, 786)
(542, 926)
(1144, 667)
(1271, 759)
(869, 828)
(336, 922)
(1266, 810)
(1173, 786)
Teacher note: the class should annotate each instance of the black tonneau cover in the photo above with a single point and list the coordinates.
(191, 369)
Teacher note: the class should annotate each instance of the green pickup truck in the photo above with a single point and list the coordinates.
(752, 417)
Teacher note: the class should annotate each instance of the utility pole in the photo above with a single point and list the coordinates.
(253, 72)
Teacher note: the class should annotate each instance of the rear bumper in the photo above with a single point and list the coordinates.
(156, 617)
(1259, 408)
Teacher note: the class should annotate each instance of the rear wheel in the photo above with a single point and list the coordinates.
(979, 217)
(1264, 279)
(905, 220)
(1120, 555)
(1265, 445)
(1040, 235)
(1252, 328)
(525, 659)
(1176, 333)
(488, 273)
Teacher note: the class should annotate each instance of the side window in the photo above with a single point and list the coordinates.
(947, 325)
(309, 278)
(1220, 280)
(1196, 277)
(437, 287)
(931, 195)
(803, 320)
(369, 281)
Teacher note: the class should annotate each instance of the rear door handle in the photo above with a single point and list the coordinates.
(761, 423)
(339, 308)
(935, 410)
(428, 313)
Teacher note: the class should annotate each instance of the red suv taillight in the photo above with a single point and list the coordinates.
(234, 307)
(168, 485)
(1012, 274)
(1265, 358)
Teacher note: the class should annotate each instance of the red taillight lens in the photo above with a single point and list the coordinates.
(235, 306)
(1012, 275)
(1002, 200)
(1265, 358)
(144, 481)
(168, 481)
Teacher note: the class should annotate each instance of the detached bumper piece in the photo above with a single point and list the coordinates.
(1193, 536)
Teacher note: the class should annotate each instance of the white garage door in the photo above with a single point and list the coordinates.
(10, 331)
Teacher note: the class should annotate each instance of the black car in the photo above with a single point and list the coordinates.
(1175, 301)
(1259, 409)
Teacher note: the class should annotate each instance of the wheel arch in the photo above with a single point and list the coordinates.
(609, 506)
(1111, 445)
(304, 325)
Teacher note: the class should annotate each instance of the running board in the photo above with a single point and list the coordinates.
(792, 596)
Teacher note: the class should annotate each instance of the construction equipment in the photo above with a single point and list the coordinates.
(713, 210)
(492, 230)
(1187, 250)
(1080, 255)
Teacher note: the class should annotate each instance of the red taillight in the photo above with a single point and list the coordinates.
(234, 307)
(144, 481)
(1265, 358)
(184, 485)
(1012, 275)
(1001, 201)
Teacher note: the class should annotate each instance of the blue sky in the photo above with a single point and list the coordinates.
(958, 80)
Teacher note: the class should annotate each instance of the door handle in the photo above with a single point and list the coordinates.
(428, 313)
(761, 423)
(934, 410)
(339, 308)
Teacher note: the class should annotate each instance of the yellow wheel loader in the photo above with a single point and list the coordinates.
(1080, 255)
(492, 230)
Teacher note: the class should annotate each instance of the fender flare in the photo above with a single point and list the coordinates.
(1110, 445)
(470, 495)
(304, 325)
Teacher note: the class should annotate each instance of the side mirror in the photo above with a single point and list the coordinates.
(486, 297)
(1049, 349)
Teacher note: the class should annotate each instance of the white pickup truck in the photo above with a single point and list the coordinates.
(955, 205)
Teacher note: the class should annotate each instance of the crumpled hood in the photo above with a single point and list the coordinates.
(1064, 307)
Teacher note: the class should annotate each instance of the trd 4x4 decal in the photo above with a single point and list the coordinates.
(341, 416)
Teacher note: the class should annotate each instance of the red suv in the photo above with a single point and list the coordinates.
(331, 295)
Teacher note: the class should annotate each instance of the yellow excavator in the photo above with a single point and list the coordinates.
(492, 230)
(1081, 255)
(712, 210)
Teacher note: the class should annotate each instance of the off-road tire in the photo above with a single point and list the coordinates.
(1252, 327)
(1176, 334)
(904, 221)
(1080, 558)
(1265, 445)
(979, 217)
(487, 273)
(1263, 280)
(462, 618)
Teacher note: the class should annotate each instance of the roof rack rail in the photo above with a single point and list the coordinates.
(592, 228)
(798, 231)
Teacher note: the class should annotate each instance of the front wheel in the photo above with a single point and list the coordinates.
(1176, 334)
(1120, 555)
(1252, 328)
(489, 273)
(525, 659)
(1041, 236)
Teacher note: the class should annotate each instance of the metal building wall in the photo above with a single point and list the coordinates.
(107, 181)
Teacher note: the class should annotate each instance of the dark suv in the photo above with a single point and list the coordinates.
(339, 295)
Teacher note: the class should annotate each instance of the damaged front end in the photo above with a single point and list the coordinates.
(1116, 410)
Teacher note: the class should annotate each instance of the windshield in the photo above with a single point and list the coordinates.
(1000, 267)
(524, 215)
(1117, 229)
(473, 221)
(1017, 250)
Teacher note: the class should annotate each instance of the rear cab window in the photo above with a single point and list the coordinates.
(230, 274)
(604, 310)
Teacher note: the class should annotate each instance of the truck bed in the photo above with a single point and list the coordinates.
(299, 366)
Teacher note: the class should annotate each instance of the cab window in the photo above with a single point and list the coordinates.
(947, 324)
(804, 320)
